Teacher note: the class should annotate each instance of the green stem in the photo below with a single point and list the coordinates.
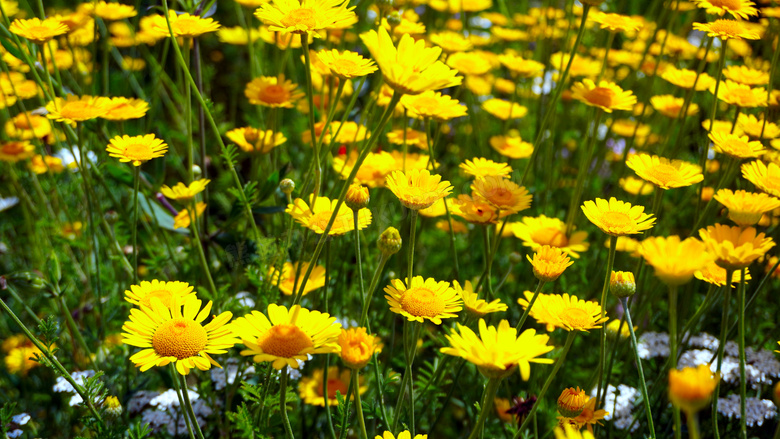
(487, 406)
(136, 183)
(673, 350)
(721, 349)
(314, 140)
(610, 40)
(199, 246)
(410, 257)
(283, 404)
(603, 332)
(540, 398)
(359, 403)
(693, 425)
(190, 411)
(530, 305)
(371, 288)
(741, 339)
(642, 383)
(176, 386)
(587, 157)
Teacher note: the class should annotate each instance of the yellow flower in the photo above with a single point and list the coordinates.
(511, 146)
(423, 299)
(413, 137)
(289, 277)
(741, 95)
(451, 42)
(317, 215)
(434, 105)
(166, 292)
(757, 128)
(504, 109)
(549, 263)
(418, 189)
(114, 11)
(136, 149)
(674, 260)
(497, 350)
(358, 347)
(473, 304)
(306, 16)
(20, 354)
(38, 31)
(739, 147)
(588, 417)
(357, 197)
(746, 75)
(607, 95)
(617, 218)
(252, 140)
(460, 6)
(615, 22)
(726, 29)
(279, 339)
(469, 63)
(614, 326)
(10, 7)
(734, 247)
(525, 68)
(572, 401)
(311, 389)
(272, 91)
(126, 109)
(43, 164)
(626, 128)
(691, 388)
(671, 106)
(564, 311)
(176, 335)
(482, 167)
(635, 186)
(182, 25)
(346, 65)
(183, 219)
(569, 431)
(15, 151)
(715, 275)
(766, 177)
(622, 284)
(237, 35)
(476, 210)
(536, 232)
(502, 194)
(502, 405)
(411, 68)
(402, 435)
(665, 173)
(73, 109)
(372, 172)
(183, 192)
(27, 126)
(737, 8)
(746, 208)
(685, 78)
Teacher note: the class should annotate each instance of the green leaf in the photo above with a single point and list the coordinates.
(13, 50)
(163, 217)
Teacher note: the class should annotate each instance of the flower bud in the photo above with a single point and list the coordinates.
(572, 402)
(515, 258)
(112, 406)
(622, 284)
(357, 197)
(196, 171)
(394, 19)
(390, 242)
(287, 186)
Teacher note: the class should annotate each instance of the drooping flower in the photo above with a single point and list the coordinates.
(617, 218)
(665, 173)
(423, 299)
(735, 247)
(183, 192)
(315, 216)
(176, 335)
(166, 292)
(137, 149)
(746, 208)
(411, 68)
(607, 96)
(272, 91)
(536, 232)
(691, 388)
(674, 260)
(289, 277)
(564, 311)
(306, 17)
(497, 350)
(418, 189)
(311, 389)
(473, 304)
(279, 339)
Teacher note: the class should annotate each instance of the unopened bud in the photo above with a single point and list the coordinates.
(622, 284)
(515, 258)
(287, 186)
(112, 406)
(390, 242)
(357, 197)
(196, 171)
(394, 19)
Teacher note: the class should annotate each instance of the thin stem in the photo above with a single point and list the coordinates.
(283, 403)
(487, 406)
(673, 350)
(136, 183)
(359, 403)
(587, 157)
(193, 213)
(638, 359)
(314, 140)
(176, 386)
(371, 288)
(741, 339)
(603, 332)
(186, 394)
(410, 257)
(721, 349)
(530, 304)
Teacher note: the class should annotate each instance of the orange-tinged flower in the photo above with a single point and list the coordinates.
(737, 8)
(476, 210)
(137, 149)
(292, 275)
(306, 16)
(255, 141)
(126, 109)
(315, 216)
(564, 311)
(691, 388)
(418, 189)
(739, 147)
(727, 29)
(433, 105)
(746, 208)
(715, 275)
(43, 164)
(757, 128)
(615, 22)
(607, 96)
(588, 417)
(741, 95)
(272, 91)
(617, 218)
(746, 75)
(358, 347)
(501, 193)
(671, 106)
(482, 167)
(665, 173)
(15, 151)
(536, 232)
(347, 64)
(27, 126)
(183, 219)
(572, 401)
(38, 31)
(423, 299)
(311, 389)
(549, 263)
(674, 260)
(735, 247)
(75, 109)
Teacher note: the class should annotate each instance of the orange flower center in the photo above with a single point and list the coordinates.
(501, 196)
(345, 66)
(284, 340)
(550, 236)
(601, 96)
(426, 105)
(672, 109)
(727, 28)
(179, 338)
(576, 318)
(22, 123)
(187, 26)
(303, 17)
(40, 31)
(320, 219)
(422, 302)
(163, 295)
(615, 219)
(138, 152)
(334, 385)
(665, 173)
(13, 148)
(732, 5)
(274, 94)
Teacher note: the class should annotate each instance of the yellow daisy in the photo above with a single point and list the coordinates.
(176, 335)
(511, 146)
(536, 232)
(73, 109)
(346, 65)
(715, 275)
(735, 247)
(253, 140)
(691, 388)
(166, 292)
(126, 109)
(671, 106)
(607, 95)
(113, 11)
(685, 78)
(372, 172)
(746, 75)
(615, 22)
(635, 186)
(473, 304)
(757, 128)
(746, 208)
(766, 177)
(736, 8)
(43, 164)
(306, 16)
(183, 25)
(358, 347)
(739, 147)
(418, 189)
(549, 263)
(741, 95)
(423, 299)
(564, 311)
(27, 126)
(469, 63)
(482, 167)
(476, 210)
(183, 192)
(524, 68)
(497, 350)
(433, 105)
(501, 193)
(289, 276)
(665, 173)
(38, 31)
(15, 151)
(183, 219)
(317, 215)
(674, 261)
(726, 29)
(311, 388)
(451, 42)
(272, 91)
(136, 149)
(504, 109)
(617, 218)
(279, 339)
(411, 68)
